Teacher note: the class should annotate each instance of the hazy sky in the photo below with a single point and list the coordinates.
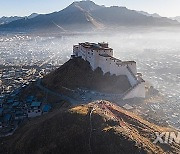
(25, 7)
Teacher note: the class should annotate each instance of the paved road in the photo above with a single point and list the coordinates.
(62, 96)
(89, 97)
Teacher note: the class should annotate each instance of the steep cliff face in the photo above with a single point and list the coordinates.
(98, 127)
(77, 73)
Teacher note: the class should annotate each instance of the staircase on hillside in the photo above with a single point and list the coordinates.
(134, 86)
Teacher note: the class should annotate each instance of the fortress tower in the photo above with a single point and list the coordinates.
(101, 55)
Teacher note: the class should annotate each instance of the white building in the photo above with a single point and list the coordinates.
(100, 55)
(34, 110)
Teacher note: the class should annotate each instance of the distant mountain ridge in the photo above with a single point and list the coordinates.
(86, 15)
(7, 20)
(33, 15)
(150, 15)
(176, 18)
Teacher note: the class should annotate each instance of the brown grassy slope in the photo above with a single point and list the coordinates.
(114, 131)
(78, 73)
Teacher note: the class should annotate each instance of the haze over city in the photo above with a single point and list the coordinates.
(89, 78)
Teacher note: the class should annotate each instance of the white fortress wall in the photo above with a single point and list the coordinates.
(100, 55)
(96, 59)
(106, 51)
(121, 69)
(99, 61)
(137, 92)
(34, 113)
(107, 64)
(75, 50)
(117, 69)
(104, 64)
(90, 58)
(84, 52)
(131, 78)
(132, 66)
(114, 67)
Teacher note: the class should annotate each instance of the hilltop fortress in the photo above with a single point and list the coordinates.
(100, 55)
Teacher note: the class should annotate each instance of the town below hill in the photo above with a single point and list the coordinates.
(71, 84)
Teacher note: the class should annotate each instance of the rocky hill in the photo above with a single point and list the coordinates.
(77, 73)
(86, 15)
(98, 127)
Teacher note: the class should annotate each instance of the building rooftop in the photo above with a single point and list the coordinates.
(35, 104)
(30, 98)
(15, 104)
(104, 55)
(46, 108)
(118, 62)
(7, 117)
(125, 62)
(112, 58)
(95, 46)
(10, 101)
